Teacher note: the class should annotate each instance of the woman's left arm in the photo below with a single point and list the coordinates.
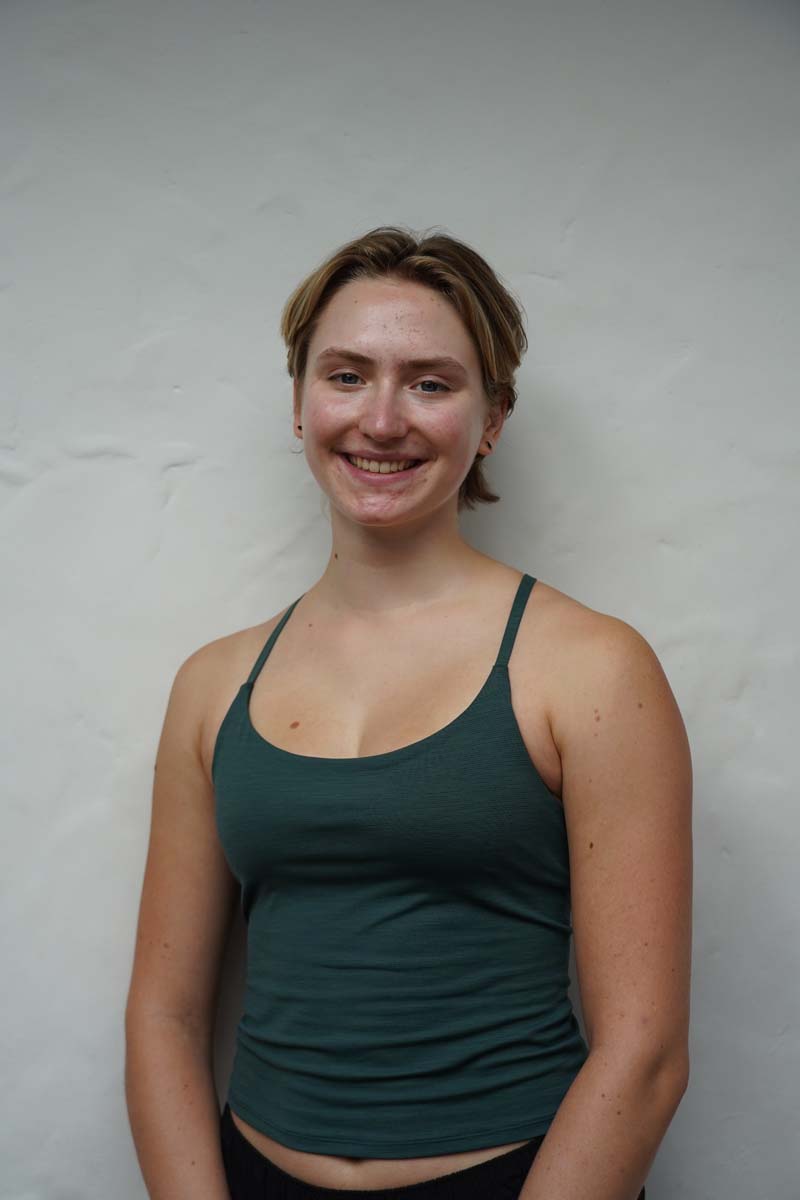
(627, 797)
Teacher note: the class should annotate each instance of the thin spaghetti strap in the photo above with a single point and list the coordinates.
(270, 642)
(512, 625)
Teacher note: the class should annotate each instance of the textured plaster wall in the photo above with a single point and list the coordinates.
(168, 172)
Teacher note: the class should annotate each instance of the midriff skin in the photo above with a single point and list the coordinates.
(338, 1171)
(546, 614)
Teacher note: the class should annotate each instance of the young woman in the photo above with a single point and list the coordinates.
(418, 779)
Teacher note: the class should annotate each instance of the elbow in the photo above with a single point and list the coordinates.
(682, 1071)
(670, 1070)
(664, 1067)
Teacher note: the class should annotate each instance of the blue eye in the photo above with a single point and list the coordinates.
(435, 382)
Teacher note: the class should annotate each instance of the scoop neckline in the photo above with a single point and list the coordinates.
(366, 760)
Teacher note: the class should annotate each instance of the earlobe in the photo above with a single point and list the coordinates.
(297, 406)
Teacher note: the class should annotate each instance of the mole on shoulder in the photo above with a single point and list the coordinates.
(294, 724)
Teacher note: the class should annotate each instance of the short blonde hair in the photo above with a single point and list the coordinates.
(491, 314)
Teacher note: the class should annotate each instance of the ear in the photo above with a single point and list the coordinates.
(296, 405)
(495, 421)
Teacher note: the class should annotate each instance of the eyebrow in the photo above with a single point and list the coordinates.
(425, 364)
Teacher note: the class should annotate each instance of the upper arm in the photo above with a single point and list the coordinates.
(627, 796)
(188, 892)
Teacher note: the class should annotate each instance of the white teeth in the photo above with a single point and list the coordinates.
(382, 468)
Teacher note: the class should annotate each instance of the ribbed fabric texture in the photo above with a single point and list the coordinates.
(408, 927)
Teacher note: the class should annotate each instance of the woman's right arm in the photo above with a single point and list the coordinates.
(188, 900)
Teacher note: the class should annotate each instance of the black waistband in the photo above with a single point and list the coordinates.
(251, 1175)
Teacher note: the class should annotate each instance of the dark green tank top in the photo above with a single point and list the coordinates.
(408, 929)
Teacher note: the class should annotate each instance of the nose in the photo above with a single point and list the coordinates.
(384, 413)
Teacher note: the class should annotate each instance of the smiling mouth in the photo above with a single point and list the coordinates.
(384, 469)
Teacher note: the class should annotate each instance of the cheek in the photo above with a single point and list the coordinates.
(454, 432)
(323, 426)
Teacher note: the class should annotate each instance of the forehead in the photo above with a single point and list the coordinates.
(388, 319)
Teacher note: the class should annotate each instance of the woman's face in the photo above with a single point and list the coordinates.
(363, 394)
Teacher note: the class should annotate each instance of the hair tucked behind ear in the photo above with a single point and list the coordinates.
(491, 314)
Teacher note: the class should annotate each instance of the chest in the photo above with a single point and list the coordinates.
(358, 703)
(463, 806)
(354, 705)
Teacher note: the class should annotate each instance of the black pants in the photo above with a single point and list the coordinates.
(253, 1176)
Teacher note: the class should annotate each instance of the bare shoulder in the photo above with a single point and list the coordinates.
(593, 655)
(554, 628)
(569, 656)
(213, 673)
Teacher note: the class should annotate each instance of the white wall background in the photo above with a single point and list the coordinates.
(169, 171)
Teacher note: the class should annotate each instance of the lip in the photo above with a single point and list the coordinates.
(380, 478)
(379, 456)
